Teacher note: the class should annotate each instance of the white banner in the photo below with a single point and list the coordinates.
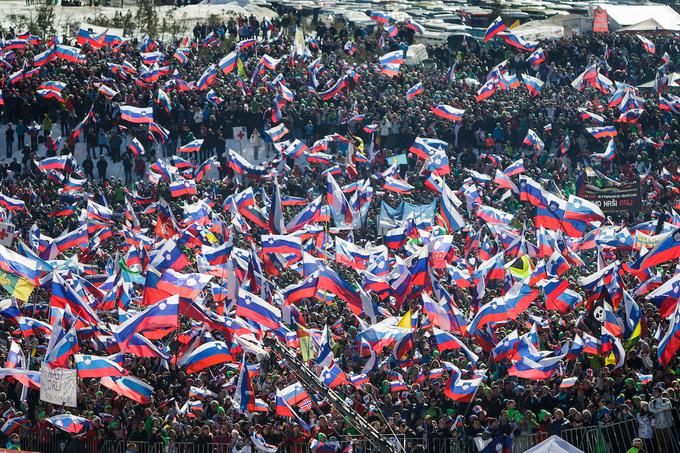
(6, 234)
(58, 386)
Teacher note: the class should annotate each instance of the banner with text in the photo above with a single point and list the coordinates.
(621, 200)
(600, 21)
(58, 386)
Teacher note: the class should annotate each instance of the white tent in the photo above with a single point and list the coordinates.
(673, 79)
(554, 444)
(621, 16)
(651, 24)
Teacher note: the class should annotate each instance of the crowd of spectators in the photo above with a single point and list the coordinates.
(490, 136)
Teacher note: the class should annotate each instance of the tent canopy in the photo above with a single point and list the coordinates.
(626, 15)
(554, 444)
(673, 81)
(651, 24)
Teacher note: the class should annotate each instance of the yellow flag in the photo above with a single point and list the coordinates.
(405, 322)
(241, 69)
(305, 340)
(610, 360)
(515, 24)
(521, 267)
(16, 286)
(299, 41)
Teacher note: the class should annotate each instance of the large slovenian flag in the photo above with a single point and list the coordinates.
(130, 387)
(537, 57)
(381, 17)
(452, 219)
(532, 84)
(448, 112)
(256, 309)
(414, 91)
(311, 213)
(337, 200)
(282, 244)
(486, 90)
(515, 168)
(68, 53)
(536, 370)
(397, 185)
(494, 28)
(602, 132)
(108, 92)
(70, 423)
(531, 191)
(276, 133)
(244, 396)
(462, 390)
(647, 44)
(25, 267)
(188, 286)
(396, 57)
(162, 315)
(193, 146)
(666, 250)
(494, 311)
(207, 78)
(12, 204)
(136, 147)
(228, 63)
(518, 42)
(137, 115)
(205, 356)
(670, 343)
(580, 209)
(92, 366)
(608, 153)
(415, 26)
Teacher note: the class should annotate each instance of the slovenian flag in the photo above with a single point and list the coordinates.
(415, 26)
(182, 187)
(136, 147)
(414, 91)
(108, 92)
(137, 115)
(602, 132)
(193, 146)
(448, 112)
(496, 27)
(532, 84)
(647, 44)
(276, 133)
(228, 63)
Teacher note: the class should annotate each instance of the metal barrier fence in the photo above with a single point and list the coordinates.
(611, 438)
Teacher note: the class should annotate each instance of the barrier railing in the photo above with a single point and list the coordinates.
(611, 438)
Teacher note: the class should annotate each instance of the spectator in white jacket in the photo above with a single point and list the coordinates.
(661, 407)
(645, 421)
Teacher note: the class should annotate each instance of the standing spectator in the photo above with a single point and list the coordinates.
(9, 139)
(46, 125)
(102, 164)
(663, 419)
(21, 133)
(102, 141)
(127, 168)
(91, 142)
(645, 421)
(115, 142)
(88, 167)
(140, 167)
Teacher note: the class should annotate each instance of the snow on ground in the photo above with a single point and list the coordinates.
(188, 16)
